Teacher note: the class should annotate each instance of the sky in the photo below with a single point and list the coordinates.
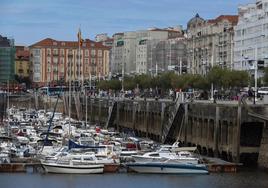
(29, 21)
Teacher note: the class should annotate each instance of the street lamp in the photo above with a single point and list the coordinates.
(256, 69)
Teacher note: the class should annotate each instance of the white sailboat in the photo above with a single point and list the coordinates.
(67, 163)
(71, 163)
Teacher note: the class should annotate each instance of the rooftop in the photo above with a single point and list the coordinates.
(231, 18)
(48, 42)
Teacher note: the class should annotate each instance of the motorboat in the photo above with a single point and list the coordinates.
(167, 167)
(181, 154)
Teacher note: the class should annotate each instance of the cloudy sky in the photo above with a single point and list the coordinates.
(28, 21)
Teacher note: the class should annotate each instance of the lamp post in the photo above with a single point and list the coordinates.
(256, 75)
(256, 70)
(123, 73)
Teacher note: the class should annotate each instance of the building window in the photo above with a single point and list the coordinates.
(62, 52)
(86, 60)
(86, 53)
(92, 61)
(99, 53)
(93, 52)
(55, 60)
(55, 51)
(36, 52)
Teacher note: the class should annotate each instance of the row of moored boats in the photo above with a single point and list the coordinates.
(64, 145)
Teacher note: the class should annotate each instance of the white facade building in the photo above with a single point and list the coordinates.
(133, 51)
(251, 37)
(210, 43)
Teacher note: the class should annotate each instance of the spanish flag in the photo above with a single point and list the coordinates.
(79, 36)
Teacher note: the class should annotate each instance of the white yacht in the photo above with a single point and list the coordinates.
(85, 163)
(167, 167)
(181, 154)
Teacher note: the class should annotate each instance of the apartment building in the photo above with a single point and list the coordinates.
(251, 40)
(133, 52)
(54, 61)
(210, 43)
(7, 59)
(22, 62)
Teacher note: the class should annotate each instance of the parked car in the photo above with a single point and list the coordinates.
(262, 91)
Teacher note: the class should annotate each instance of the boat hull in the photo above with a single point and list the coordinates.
(110, 168)
(67, 169)
(164, 168)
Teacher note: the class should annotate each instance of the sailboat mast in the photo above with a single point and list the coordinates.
(70, 96)
(86, 109)
(8, 98)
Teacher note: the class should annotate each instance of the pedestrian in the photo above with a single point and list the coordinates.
(250, 93)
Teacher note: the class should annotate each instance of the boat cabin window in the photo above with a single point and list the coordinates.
(77, 158)
(88, 159)
(154, 155)
(185, 154)
(53, 154)
(64, 154)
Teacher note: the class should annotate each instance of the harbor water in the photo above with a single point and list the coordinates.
(242, 179)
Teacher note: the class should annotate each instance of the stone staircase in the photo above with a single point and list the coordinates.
(174, 117)
(112, 114)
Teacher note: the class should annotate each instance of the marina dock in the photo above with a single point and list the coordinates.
(215, 165)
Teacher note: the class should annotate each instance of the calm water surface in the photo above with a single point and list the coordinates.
(245, 179)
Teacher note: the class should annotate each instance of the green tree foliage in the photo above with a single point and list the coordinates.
(225, 78)
(143, 81)
(109, 84)
(221, 78)
(239, 79)
(129, 83)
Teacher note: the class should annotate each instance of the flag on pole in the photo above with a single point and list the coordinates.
(79, 36)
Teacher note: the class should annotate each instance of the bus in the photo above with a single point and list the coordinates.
(53, 91)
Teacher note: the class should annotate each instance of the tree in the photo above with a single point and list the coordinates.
(199, 82)
(164, 81)
(215, 76)
(129, 83)
(103, 85)
(239, 78)
(144, 81)
(115, 85)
